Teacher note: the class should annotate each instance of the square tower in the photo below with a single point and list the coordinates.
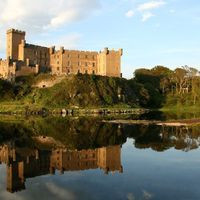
(109, 63)
(14, 38)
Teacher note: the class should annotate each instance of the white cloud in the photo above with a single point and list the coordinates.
(146, 16)
(130, 13)
(151, 5)
(39, 14)
(64, 17)
(61, 193)
(145, 9)
(147, 195)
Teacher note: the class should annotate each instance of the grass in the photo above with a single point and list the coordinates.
(74, 91)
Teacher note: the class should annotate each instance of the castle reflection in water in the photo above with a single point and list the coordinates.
(22, 163)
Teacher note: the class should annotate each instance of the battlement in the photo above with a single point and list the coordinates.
(73, 51)
(107, 51)
(34, 46)
(12, 30)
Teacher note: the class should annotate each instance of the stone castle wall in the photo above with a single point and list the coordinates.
(32, 59)
(25, 71)
(73, 62)
(7, 69)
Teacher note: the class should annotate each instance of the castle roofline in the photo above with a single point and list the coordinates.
(27, 45)
(77, 51)
(81, 51)
(12, 30)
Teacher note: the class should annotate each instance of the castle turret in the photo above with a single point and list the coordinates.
(52, 50)
(14, 39)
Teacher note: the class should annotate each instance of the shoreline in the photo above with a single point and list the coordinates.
(172, 123)
(72, 111)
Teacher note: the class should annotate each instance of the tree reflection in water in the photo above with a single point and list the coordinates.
(42, 146)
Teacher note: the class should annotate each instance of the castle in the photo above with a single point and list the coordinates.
(25, 59)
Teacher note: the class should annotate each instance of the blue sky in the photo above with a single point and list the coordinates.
(151, 32)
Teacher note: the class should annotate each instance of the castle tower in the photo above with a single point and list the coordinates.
(14, 38)
(109, 63)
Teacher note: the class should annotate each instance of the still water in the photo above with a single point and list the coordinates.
(84, 158)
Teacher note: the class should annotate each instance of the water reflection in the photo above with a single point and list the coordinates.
(43, 146)
(23, 163)
(161, 138)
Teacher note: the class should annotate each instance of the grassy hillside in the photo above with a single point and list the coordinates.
(81, 91)
(159, 88)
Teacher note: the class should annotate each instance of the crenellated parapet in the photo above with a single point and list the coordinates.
(52, 50)
(106, 51)
(62, 50)
(33, 46)
(12, 30)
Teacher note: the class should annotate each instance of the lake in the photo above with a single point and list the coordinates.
(85, 158)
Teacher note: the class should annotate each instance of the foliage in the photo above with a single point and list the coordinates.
(167, 88)
(152, 88)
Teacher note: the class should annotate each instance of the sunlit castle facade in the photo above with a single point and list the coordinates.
(25, 59)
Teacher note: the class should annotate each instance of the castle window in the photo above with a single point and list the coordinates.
(57, 56)
(86, 64)
(86, 56)
(57, 62)
(86, 71)
(58, 68)
(93, 64)
(68, 71)
(93, 72)
(78, 63)
(78, 56)
(79, 71)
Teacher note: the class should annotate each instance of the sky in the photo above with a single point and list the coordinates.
(151, 32)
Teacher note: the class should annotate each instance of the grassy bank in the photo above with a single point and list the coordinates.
(181, 108)
(80, 93)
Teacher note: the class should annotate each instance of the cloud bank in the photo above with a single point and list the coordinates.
(44, 14)
(150, 5)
